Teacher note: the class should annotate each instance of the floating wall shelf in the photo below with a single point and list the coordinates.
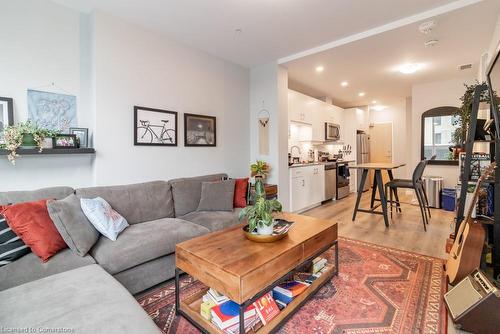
(34, 151)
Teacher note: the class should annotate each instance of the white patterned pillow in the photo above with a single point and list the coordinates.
(106, 220)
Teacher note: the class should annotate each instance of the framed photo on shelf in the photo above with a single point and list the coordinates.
(82, 134)
(155, 127)
(6, 115)
(62, 141)
(200, 130)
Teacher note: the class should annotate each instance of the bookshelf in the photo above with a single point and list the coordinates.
(493, 227)
(191, 306)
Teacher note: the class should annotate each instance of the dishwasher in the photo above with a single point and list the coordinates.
(330, 181)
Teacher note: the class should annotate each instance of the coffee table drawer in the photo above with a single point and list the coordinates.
(261, 277)
(320, 241)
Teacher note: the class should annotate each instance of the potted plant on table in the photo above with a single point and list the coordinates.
(26, 135)
(260, 215)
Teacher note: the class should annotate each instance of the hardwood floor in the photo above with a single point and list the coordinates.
(406, 230)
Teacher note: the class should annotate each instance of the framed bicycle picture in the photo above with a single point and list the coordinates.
(155, 127)
(200, 130)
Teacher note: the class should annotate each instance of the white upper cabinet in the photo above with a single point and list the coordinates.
(306, 109)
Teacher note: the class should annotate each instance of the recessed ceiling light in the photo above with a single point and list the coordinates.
(410, 68)
(379, 107)
(320, 69)
(374, 102)
(361, 94)
(344, 84)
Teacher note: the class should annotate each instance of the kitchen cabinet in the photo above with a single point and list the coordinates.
(307, 185)
(300, 107)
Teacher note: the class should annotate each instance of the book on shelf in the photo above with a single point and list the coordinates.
(252, 324)
(291, 289)
(216, 296)
(226, 315)
(281, 305)
(305, 277)
(318, 264)
(281, 299)
(266, 308)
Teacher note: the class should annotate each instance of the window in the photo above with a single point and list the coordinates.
(437, 131)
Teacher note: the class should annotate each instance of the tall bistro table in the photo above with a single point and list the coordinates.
(378, 184)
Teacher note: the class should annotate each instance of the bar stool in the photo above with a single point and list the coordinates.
(417, 185)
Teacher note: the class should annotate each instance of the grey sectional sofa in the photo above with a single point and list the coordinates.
(160, 213)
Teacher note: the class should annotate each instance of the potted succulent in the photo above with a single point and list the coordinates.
(26, 135)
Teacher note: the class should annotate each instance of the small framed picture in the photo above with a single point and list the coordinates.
(6, 115)
(82, 134)
(65, 141)
(155, 127)
(200, 130)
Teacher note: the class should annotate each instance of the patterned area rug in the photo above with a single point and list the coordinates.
(378, 290)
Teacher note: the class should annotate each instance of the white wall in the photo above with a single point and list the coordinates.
(269, 85)
(428, 96)
(111, 65)
(43, 43)
(495, 40)
(137, 67)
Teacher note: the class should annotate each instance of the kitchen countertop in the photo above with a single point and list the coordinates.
(318, 163)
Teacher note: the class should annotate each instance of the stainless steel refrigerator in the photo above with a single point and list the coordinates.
(362, 156)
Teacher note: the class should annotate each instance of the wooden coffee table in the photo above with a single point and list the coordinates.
(245, 270)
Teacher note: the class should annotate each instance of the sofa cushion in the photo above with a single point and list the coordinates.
(32, 223)
(11, 245)
(187, 192)
(104, 218)
(217, 196)
(30, 268)
(213, 220)
(137, 203)
(83, 300)
(74, 227)
(12, 197)
(140, 243)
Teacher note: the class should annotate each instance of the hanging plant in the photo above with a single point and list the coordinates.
(461, 117)
(24, 134)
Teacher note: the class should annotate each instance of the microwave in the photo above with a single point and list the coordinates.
(332, 132)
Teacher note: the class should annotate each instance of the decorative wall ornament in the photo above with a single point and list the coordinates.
(263, 119)
(52, 111)
(155, 127)
(200, 130)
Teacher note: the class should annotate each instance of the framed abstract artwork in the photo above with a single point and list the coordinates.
(52, 111)
(200, 130)
(155, 127)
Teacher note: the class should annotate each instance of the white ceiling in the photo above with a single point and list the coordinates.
(271, 29)
(368, 64)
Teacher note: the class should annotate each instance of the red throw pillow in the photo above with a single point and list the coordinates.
(32, 223)
(240, 193)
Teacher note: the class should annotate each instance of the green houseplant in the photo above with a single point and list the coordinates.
(461, 118)
(260, 169)
(24, 134)
(260, 215)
